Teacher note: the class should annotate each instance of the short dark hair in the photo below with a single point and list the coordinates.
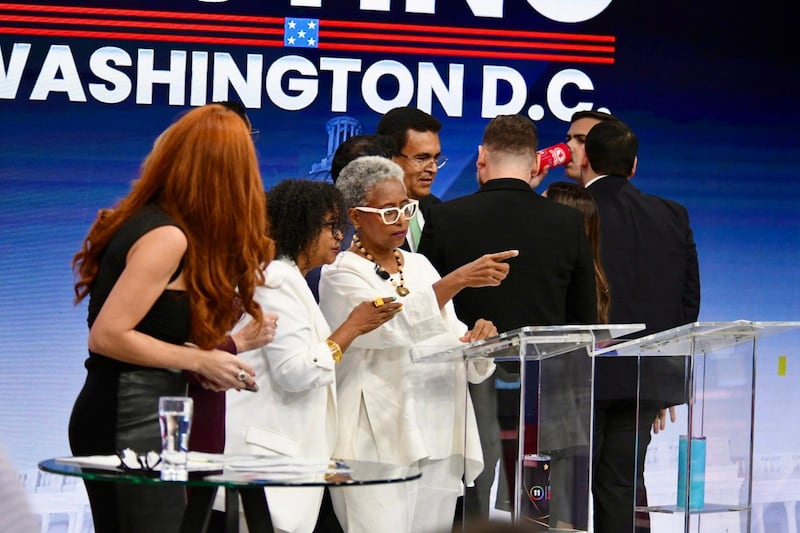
(597, 115)
(611, 147)
(399, 120)
(513, 134)
(296, 209)
(358, 146)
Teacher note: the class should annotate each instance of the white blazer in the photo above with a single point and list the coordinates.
(415, 411)
(294, 412)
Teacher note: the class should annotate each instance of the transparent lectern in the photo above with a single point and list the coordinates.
(534, 417)
(698, 471)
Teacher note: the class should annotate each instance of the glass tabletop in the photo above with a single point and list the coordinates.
(337, 473)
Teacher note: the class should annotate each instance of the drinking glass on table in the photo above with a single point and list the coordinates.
(175, 418)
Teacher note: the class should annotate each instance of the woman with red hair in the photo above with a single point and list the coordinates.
(168, 272)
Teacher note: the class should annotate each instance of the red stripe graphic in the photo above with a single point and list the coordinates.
(35, 8)
(93, 34)
(482, 31)
(182, 26)
(350, 36)
(467, 41)
(465, 53)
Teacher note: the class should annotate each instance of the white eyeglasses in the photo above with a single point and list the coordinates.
(390, 215)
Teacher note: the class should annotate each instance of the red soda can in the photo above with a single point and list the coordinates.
(554, 156)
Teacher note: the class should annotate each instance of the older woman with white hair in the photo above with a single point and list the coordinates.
(392, 410)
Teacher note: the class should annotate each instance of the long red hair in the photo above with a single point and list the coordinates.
(203, 172)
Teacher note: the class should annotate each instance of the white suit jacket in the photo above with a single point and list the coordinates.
(294, 412)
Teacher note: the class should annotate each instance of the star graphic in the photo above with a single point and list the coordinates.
(292, 24)
(311, 41)
(301, 34)
(312, 25)
(290, 40)
(546, 467)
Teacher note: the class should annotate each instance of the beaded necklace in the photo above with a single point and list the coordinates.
(399, 287)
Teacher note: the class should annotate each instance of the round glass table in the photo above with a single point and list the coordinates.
(241, 482)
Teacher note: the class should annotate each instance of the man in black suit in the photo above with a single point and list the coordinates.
(419, 153)
(550, 282)
(650, 259)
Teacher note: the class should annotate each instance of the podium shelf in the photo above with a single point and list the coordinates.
(707, 509)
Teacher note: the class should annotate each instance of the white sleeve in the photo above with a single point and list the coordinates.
(342, 288)
(479, 370)
(297, 360)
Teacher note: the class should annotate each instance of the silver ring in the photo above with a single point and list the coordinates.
(242, 375)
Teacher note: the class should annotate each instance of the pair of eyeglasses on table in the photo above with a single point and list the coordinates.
(130, 460)
(238, 482)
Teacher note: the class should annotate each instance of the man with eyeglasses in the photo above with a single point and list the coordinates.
(419, 153)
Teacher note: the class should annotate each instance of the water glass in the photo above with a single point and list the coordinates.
(175, 418)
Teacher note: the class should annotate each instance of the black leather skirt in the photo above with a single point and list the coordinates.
(118, 410)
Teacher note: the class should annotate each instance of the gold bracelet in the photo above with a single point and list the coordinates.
(336, 351)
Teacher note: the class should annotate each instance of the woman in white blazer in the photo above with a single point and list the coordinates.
(294, 412)
(390, 409)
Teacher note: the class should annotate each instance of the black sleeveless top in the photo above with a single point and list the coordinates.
(168, 320)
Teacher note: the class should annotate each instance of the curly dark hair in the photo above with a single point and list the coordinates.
(297, 210)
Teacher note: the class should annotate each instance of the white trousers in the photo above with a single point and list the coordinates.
(292, 509)
(426, 505)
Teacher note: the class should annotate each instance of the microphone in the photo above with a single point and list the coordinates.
(381, 272)
(554, 156)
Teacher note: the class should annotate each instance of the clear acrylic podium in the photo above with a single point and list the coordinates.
(537, 411)
(699, 470)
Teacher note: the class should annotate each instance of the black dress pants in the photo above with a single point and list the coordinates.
(618, 460)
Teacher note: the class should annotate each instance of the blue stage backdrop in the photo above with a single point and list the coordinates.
(709, 88)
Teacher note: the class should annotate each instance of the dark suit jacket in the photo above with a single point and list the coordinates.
(650, 259)
(426, 203)
(552, 279)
